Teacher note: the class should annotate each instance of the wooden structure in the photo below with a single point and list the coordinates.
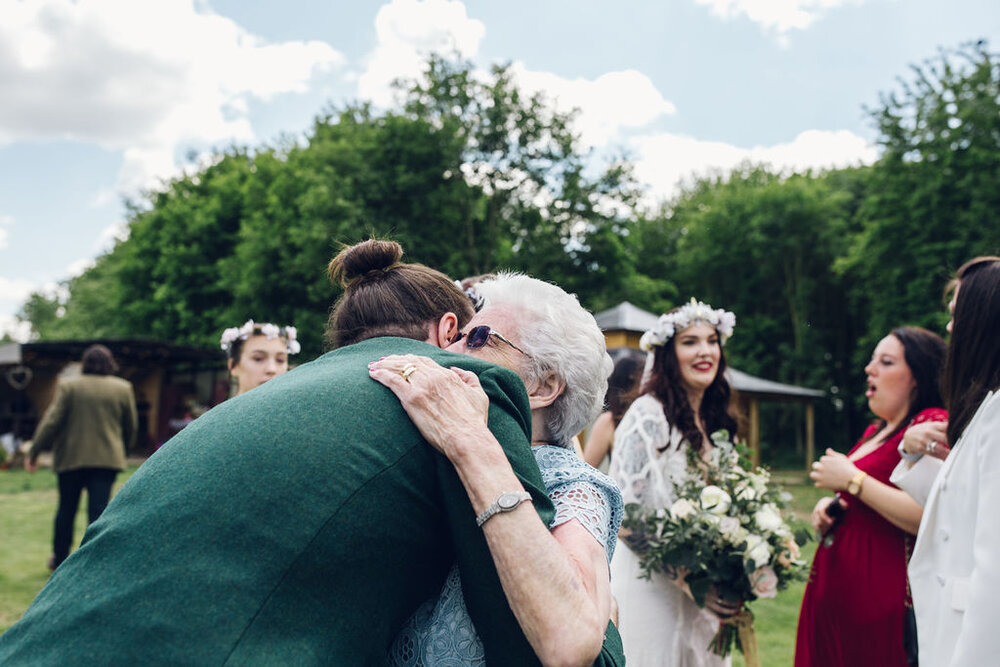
(624, 324)
(172, 383)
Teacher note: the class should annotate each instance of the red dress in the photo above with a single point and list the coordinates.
(852, 610)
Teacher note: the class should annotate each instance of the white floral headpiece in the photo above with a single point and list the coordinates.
(233, 334)
(477, 299)
(693, 312)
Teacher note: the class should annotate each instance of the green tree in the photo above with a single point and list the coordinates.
(934, 196)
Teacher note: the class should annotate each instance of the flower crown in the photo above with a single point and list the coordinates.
(249, 328)
(693, 312)
(477, 299)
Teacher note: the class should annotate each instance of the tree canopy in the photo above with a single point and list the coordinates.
(471, 174)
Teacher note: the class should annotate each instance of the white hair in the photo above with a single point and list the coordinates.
(560, 336)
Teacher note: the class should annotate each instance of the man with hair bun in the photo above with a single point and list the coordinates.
(301, 522)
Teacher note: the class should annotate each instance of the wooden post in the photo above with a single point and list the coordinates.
(810, 435)
(755, 429)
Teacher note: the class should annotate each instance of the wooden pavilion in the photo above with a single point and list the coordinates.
(172, 383)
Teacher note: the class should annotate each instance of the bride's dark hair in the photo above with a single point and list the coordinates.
(385, 297)
(665, 384)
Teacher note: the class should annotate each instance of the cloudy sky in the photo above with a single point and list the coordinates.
(100, 99)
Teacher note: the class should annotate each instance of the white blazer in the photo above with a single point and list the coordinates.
(955, 568)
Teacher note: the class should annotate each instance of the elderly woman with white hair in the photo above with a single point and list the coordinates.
(556, 578)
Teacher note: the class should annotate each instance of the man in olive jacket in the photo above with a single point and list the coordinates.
(300, 523)
(88, 426)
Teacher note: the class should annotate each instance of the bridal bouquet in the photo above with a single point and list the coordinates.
(725, 530)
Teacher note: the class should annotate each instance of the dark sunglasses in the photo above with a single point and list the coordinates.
(476, 337)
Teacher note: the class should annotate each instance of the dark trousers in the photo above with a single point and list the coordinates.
(98, 482)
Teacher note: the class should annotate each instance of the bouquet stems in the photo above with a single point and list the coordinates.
(738, 628)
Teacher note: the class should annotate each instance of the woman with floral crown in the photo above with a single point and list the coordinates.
(258, 352)
(662, 438)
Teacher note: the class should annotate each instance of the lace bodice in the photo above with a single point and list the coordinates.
(441, 631)
(645, 474)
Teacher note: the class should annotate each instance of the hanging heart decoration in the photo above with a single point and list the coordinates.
(19, 376)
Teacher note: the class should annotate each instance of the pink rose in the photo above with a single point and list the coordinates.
(764, 582)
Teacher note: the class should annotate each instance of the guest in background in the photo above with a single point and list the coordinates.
(857, 587)
(89, 426)
(622, 384)
(258, 352)
(954, 573)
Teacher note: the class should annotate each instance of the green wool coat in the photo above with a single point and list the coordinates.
(89, 424)
(300, 523)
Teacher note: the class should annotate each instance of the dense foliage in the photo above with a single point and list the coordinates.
(470, 174)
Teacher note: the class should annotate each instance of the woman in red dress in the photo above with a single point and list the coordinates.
(854, 604)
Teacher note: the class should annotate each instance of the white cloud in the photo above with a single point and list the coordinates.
(140, 77)
(18, 331)
(407, 32)
(608, 104)
(778, 16)
(13, 292)
(5, 221)
(665, 160)
(110, 235)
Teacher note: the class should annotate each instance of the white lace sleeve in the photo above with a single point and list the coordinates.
(645, 474)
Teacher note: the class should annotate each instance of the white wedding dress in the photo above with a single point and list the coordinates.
(660, 625)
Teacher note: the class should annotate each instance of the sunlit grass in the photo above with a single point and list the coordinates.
(28, 505)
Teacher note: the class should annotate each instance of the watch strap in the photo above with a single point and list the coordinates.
(854, 486)
(505, 502)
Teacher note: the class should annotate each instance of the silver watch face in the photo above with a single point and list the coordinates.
(508, 501)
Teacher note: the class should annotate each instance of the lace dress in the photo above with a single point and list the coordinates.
(659, 624)
(441, 632)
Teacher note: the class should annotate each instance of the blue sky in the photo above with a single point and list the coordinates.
(104, 98)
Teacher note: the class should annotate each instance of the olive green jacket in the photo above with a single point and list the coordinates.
(89, 424)
(300, 523)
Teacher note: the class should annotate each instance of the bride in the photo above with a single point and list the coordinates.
(684, 399)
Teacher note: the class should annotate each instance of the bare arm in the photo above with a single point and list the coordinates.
(556, 583)
(600, 440)
(834, 470)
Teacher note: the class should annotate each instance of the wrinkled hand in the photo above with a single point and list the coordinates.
(821, 522)
(447, 405)
(721, 607)
(833, 471)
(918, 438)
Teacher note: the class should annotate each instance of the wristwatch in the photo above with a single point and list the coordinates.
(854, 486)
(505, 502)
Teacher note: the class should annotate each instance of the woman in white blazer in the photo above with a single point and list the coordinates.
(955, 568)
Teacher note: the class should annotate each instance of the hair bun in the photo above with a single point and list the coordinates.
(363, 259)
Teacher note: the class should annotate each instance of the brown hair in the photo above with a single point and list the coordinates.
(98, 360)
(385, 297)
(665, 383)
(623, 382)
(924, 353)
(973, 366)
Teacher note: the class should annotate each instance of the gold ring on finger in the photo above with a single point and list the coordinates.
(407, 371)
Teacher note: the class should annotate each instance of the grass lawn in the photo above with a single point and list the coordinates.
(27, 510)
(28, 505)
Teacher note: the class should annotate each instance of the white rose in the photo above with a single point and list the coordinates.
(768, 519)
(745, 492)
(682, 509)
(731, 530)
(758, 550)
(715, 500)
(710, 519)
